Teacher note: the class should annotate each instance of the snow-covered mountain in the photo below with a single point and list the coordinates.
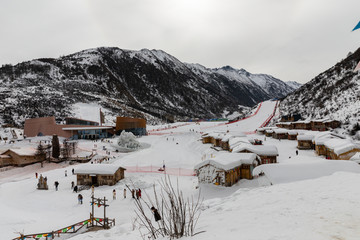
(145, 83)
(334, 93)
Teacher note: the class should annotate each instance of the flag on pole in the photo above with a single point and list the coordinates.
(356, 27)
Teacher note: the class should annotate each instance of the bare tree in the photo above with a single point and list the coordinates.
(179, 216)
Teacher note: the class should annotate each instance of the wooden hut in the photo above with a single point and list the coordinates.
(206, 138)
(318, 125)
(260, 131)
(99, 174)
(332, 124)
(20, 157)
(267, 153)
(269, 132)
(292, 135)
(306, 125)
(340, 149)
(305, 141)
(227, 168)
(224, 143)
(280, 134)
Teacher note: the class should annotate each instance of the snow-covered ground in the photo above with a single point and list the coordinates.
(321, 206)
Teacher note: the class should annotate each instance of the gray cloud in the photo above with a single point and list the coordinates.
(292, 40)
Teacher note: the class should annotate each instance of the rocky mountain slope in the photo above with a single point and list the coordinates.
(334, 93)
(145, 83)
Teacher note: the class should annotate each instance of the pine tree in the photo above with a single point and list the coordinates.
(55, 146)
(41, 153)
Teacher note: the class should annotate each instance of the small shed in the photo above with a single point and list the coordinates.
(340, 149)
(224, 143)
(20, 157)
(227, 168)
(318, 125)
(99, 174)
(305, 141)
(267, 153)
(292, 135)
(280, 134)
(269, 132)
(206, 138)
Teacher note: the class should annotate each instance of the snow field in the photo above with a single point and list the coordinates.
(321, 208)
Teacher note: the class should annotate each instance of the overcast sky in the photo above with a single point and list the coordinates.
(293, 40)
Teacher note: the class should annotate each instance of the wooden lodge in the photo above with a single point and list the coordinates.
(305, 141)
(19, 157)
(99, 174)
(318, 125)
(226, 169)
(314, 125)
(267, 153)
(280, 134)
(206, 138)
(292, 135)
(269, 133)
(225, 141)
(306, 125)
(340, 149)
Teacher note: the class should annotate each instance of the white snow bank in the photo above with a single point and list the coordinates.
(305, 168)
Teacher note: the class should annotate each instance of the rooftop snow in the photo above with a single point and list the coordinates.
(268, 150)
(106, 169)
(229, 161)
(87, 128)
(305, 137)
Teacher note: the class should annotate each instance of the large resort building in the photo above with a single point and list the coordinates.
(75, 128)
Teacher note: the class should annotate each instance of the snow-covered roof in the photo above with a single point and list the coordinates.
(305, 137)
(237, 140)
(292, 132)
(280, 131)
(24, 151)
(227, 161)
(104, 169)
(304, 168)
(345, 148)
(305, 121)
(335, 142)
(269, 150)
(269, 131)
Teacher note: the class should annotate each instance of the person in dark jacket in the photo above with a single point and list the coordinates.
(156, 214)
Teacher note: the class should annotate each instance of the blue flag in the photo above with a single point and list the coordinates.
(357, 26)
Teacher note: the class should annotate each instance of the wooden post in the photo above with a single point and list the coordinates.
(92, 210)
(105, 224)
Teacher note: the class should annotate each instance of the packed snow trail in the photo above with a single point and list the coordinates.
(259, 116)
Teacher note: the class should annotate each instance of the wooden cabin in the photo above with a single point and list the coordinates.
(280, 134)
(20, 157)
(305, 142)
(306, 125)
(206, 138)
(260, 131)
(269, 133)
(340, 149)
(225, 141)
(99, 174)
(318, 125)
(292, 135)
(226, 169)
(267, 153)
(332, 124)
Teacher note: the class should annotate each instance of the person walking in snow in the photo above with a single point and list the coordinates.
(72, 185)
(65, 173)
(80, 199)
(114, 194)
(139, 193)
(75, 189)
(297, 152)
(124, 192)
(156, 214)
(56, 185)
(36, 175)
(133, 193)
(73, 171)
